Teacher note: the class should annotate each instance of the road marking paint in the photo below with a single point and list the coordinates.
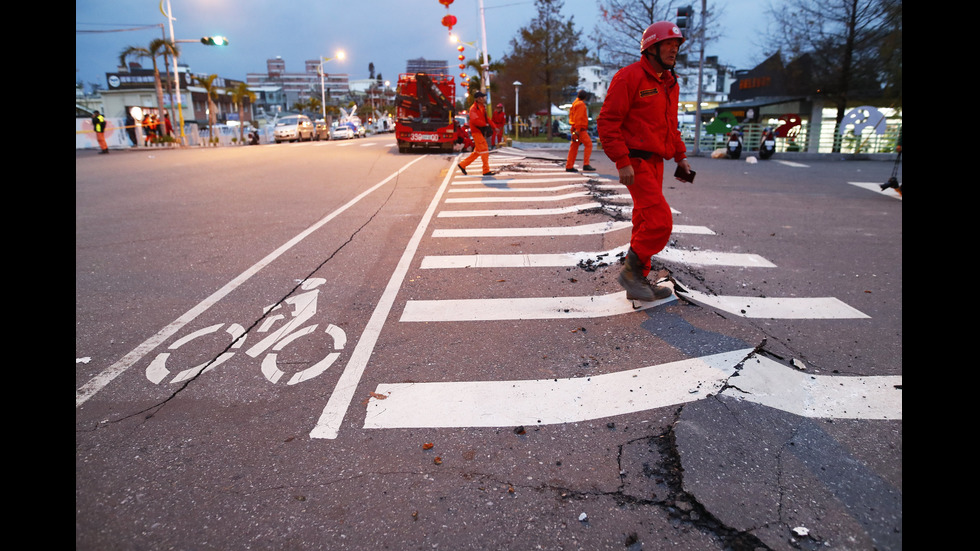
(98, 382)
(792, 164)
(528, 189)
(518, 212)
(525, 308)
(769, 383)
(477, 180)
(554, 401)
(777, 307)
(549, 198)
(587, 229)
(871, 186)
(700, 258)
(328, 425)
(548, 401)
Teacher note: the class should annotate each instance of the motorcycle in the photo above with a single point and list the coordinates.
(768, 144)
(253, 137)
(734, 149)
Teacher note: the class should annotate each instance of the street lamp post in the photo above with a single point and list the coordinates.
(517, 106)
(180, 107)
(323, 89)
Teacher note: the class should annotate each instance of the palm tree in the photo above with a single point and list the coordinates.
(212, 92)
(238, 95)
(157, 47)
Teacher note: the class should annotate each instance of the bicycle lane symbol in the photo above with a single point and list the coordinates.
(304, 308)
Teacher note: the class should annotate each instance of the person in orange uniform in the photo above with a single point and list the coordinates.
(481, 127)
(638, 129)
(98, 124)
(499, 121)
(578, 118)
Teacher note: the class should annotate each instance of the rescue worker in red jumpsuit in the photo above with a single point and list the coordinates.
(481, 127)
(638, 129)
(578, 118)
(499, 121)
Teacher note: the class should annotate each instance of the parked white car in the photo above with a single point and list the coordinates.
(293, 127)
(343, 132)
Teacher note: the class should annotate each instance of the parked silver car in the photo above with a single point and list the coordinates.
(293, 127)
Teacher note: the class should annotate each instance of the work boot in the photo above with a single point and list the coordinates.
(571, 170)
(588, 168)
(462, 169)
(638, 287)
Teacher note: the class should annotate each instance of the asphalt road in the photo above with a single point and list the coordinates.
(332, 345)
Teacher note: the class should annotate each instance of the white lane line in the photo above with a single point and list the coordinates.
(527, 308)
(548, 401)
(792, 164)
(777, 307)
(774, 385)
(595, 306)
(478, 180)
(871, 186)
(587, 229)
(529, 189)
(97, 383)
(549, 198)
(699, 258)
(328, 425)
(518, 212)
(554, 401)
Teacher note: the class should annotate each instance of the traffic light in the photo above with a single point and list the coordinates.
(684, 19)
(214, 41)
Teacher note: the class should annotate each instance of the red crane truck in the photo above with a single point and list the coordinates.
(424, 116)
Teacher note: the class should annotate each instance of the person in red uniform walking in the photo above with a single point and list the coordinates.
(499, 121)
(578, 118)
(638, 129)
(481, 127)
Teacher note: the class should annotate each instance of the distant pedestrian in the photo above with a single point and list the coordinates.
(499, 121)
(578, 118)
(168, 127)
(131, 129)
(147, 125)
(98, 124)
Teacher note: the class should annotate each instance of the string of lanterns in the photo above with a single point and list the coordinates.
(448, 21)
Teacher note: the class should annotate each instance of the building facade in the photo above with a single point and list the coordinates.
(296, 87)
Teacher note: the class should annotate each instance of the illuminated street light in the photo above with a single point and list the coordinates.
(323, 88)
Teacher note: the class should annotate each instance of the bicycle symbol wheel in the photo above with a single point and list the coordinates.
(157, 370)
(270, 367)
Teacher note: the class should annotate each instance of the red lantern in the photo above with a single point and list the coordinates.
(461, 66)
(460, 48)
(446, 3)
(462, 76)
(462, 57)
(449, 21)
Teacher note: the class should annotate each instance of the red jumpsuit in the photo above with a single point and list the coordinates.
(578, 118)
(478, 121)
(499, 121)
(638, 126)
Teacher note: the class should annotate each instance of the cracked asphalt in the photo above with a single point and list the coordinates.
(225, 460)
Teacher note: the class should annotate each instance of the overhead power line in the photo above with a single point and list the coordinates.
(137, 28)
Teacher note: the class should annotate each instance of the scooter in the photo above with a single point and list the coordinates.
(893, 181)
(734, 150)
(253, 137)
(768, 144)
